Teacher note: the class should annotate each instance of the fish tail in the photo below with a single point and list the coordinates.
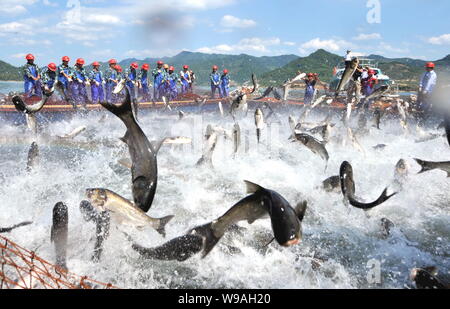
(18, 103)
(162, 225)
(426, 166)
(122, 111)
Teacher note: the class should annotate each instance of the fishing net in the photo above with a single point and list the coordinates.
(23, 269)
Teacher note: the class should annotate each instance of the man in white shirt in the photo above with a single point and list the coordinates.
(426, 87)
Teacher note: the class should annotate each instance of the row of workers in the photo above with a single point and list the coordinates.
(74, 80)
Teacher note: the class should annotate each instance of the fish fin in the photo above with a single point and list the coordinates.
(52, 234)
(266, 245)
(252, 187)
(300, 210)
(125, 137)
(126, 162)
(157, 145)
(162, 225)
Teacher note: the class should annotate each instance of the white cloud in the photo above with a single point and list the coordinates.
(48, 3)
(331, 45)
(101, 19)
(229, 21)
(440, 40)
(146, 53)
(15, 28)
(385, 47)
(15, 7)
(289, 43)
(364, 37)
(180, 5)
(248, 45)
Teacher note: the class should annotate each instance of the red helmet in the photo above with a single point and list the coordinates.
(29, 57)
(118, 68)
(171, 69)
(65, 58)
(145, 66)
(371, 72)
(135, 65)
(225, 71)
(160, 62)
(186, 67)
(52, 67)
(215, 67)
(430, 65)
(80, 61)
(112, 61)
(310, 75)
(96, 64)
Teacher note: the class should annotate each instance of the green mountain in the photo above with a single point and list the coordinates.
(9, 72)
(240, 67)
(321, 62)
(405, 72)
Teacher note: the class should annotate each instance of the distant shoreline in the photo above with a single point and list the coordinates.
(10, 81)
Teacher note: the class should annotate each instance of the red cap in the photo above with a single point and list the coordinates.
(96, 64)
(215, 67)
(225, 71)
(371, 72)
(112, 61)
(160, 62)
(52, 67)
(310, 75)
(65, 58)
(118, 68)
(171, 69)
(29, 57)
(80, 61)
(185, 67)
(145, 66)
(135, 65)
(430, 65)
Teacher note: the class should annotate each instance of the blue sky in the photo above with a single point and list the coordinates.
(99, 29)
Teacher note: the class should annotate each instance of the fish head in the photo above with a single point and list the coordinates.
(401, 167)
(286, 225)
(301, 138)
(98, 198)
(87, 210)
(60, 213)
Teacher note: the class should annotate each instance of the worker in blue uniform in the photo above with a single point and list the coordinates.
(144, 91)
(64, 74)
(79, 83)
(111, 79)
(215, 81)
(96, 81)
(32, 78)
(225, 84)
(48, 77)
(185, 78)
(131, 79)
(158, 76)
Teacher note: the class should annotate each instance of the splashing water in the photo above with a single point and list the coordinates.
(339, 243)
